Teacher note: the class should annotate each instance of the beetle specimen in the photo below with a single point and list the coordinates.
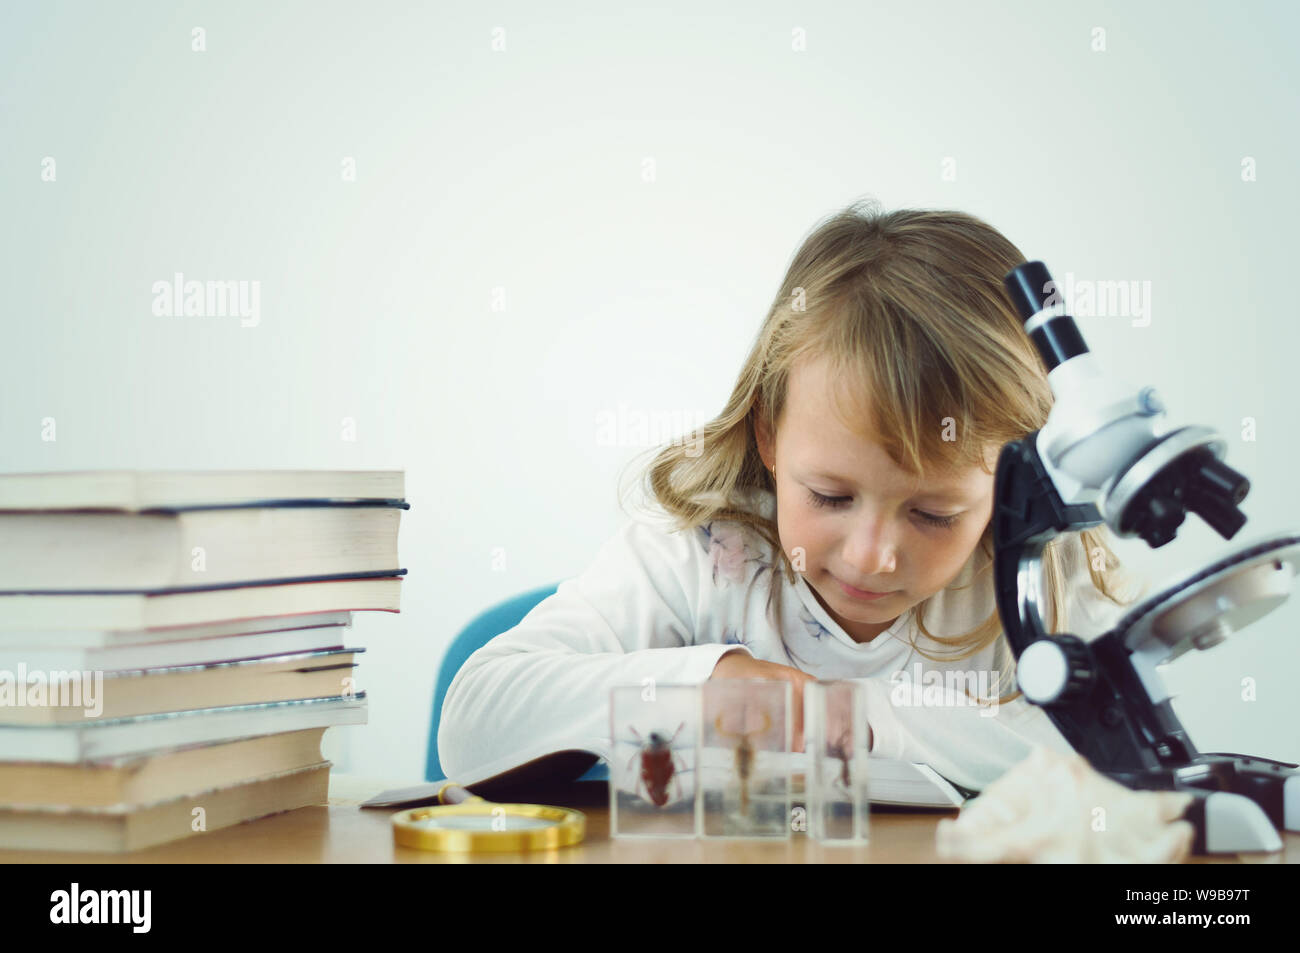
(657, 768)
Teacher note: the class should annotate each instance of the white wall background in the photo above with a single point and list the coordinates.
(522, 169)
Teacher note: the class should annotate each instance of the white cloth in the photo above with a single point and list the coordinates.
(1055, 809)
(667, 605)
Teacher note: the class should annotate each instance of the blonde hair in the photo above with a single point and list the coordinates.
(911, 304)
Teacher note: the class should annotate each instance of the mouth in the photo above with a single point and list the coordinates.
(862, 594)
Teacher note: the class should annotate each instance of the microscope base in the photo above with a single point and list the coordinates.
(1241, 801)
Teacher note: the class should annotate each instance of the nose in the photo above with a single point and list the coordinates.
(869, 550)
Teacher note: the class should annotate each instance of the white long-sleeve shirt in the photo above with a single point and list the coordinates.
(666, 605)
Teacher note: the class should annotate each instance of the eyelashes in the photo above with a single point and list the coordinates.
(835, 502)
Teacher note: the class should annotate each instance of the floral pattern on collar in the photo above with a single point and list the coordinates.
(811, 623)
(734, 553)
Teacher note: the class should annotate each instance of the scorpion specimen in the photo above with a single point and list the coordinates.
(744, 755)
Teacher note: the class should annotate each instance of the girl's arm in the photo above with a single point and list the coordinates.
(544, 685)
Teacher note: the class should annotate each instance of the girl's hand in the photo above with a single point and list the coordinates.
(740, 664)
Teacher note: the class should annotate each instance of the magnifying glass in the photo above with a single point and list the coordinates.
(465, 822)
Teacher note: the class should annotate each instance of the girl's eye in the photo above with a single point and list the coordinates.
(835, 502)
(941, 521)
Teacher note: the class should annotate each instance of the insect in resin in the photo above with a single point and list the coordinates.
(657, 768)
(842, 750)
(744, 755)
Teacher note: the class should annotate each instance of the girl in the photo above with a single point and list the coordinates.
(832, 522)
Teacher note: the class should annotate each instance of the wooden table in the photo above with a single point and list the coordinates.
(344, 833)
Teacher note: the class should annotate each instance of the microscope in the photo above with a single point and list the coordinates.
(1101, 458)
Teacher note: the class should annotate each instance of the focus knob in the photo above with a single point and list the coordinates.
(1054, 669)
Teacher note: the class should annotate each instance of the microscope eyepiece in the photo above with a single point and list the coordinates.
(1033, 292)
(1031, 288)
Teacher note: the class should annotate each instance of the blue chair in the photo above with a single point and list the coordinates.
(483, 628)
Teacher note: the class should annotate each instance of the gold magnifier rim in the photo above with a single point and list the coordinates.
(567, 827)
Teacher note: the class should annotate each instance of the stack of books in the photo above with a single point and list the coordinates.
(173, 645)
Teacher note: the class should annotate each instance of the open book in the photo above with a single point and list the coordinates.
(908, 784)
(889, 782)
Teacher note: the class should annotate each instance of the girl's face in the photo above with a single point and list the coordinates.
(850, 520)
